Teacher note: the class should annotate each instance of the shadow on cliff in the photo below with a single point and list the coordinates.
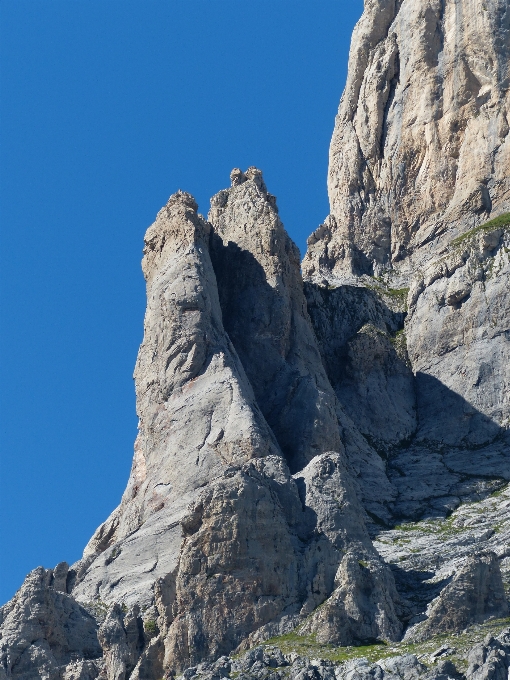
(445, 417)
(414, 586)
(260, 324)
(337, 316)
(455, 456)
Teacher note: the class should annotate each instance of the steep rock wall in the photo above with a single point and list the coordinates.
(196, 408)
(421, 145)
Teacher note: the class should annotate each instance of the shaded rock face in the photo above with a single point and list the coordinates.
(264, 312)
(475, 594)
(363, 346)
(421, 145)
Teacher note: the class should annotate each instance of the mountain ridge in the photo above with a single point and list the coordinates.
(294, 428)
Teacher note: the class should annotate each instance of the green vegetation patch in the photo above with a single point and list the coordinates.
(398, 295)
(307, 645)
(150, 626)
(501, 222)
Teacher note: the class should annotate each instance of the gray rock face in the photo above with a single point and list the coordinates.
(458, 342)
(122, 640)
(363, 603)
(421, 77)
(214, 539)
(424, 556)
(490, 660)
(282, 421)
(421, 146)
(475, 594)
(197, 414)
(262, 551)
(43, 630)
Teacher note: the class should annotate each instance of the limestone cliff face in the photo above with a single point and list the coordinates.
(419, 188)
(214, 539)
(196, 407)
(421, 147)
(288, 428)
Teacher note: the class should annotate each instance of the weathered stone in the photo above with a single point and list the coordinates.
(458, 346)
(121, 637)
(197, 413)
(380, 407)
(490, 660)
(475, 594)
(264, 313)
(421, 147)
(259, 547)
(43, 630)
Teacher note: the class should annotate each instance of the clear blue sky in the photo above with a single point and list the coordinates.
(106, 108)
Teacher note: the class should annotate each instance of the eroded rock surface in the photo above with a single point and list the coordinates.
(196, 408)
(262, 551)
(421, 147)
(265, 315)
(475, 594)
(285, 425)
(44, 630)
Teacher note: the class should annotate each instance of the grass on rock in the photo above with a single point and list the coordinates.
(501, 222)
(306, 645)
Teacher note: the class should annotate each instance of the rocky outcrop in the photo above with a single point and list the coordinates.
(262, 662)
(457, 339)
(364, 602)
(196, 408)
(488, 660)
(264, 312)
(262, 551)
(283, 423)
(419, 197)
(122, 640)
(421, 147)
(475, 594)
(44, 631)
(215, 544)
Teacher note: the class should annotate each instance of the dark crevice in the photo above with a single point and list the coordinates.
(394, 82)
